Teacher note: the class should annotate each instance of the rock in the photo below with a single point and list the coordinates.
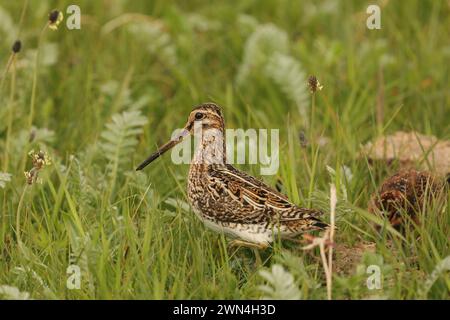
(411, 150)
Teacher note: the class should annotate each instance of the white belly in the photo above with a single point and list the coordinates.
(249, 233)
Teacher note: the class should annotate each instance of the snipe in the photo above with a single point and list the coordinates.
(231, 201)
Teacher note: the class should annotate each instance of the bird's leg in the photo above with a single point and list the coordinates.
(293, 239)
(254, 246)
(257, 257)
(241, 243)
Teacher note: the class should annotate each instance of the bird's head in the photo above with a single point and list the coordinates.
(206, 116)
(203, 117)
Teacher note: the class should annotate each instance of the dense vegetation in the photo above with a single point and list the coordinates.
(98, 100)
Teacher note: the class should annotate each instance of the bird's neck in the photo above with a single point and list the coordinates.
(210, 147)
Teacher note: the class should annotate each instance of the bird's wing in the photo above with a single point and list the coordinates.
(249, 192)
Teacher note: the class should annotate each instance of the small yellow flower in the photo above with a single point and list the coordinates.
(54, 19)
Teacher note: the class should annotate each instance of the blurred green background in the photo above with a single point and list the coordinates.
(106, 95)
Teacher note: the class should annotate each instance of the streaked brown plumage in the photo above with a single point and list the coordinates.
(231, 201)
(405, 192)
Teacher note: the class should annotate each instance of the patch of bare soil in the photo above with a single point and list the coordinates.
(348, 257)
(411, 150)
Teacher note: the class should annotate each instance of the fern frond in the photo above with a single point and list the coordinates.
(42, 135)
(82, 252)
(247, 23)
(83, 186)
(202, 23)
(288, 73)
(33, 276)
(119, 138)
(439, 269)
(48, 56)
(158, 41)
(13, 293)
(265, 41)
(280, 284)
(4, 178)
(302, 272)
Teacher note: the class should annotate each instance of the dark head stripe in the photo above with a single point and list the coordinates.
(209, 106)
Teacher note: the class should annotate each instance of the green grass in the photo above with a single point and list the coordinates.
(131, 233)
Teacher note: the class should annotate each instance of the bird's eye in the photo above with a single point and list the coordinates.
(199, 116)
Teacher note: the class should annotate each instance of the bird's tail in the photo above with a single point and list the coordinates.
(316, 222)
(319, 224)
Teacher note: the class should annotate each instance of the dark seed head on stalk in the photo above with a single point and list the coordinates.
(53, 16)
(314, 84)
(303, 139)
(40, 160)
(16, 46)
(54, 19)
(32, 135)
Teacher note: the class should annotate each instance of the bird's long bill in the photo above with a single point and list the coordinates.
(167, 146)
